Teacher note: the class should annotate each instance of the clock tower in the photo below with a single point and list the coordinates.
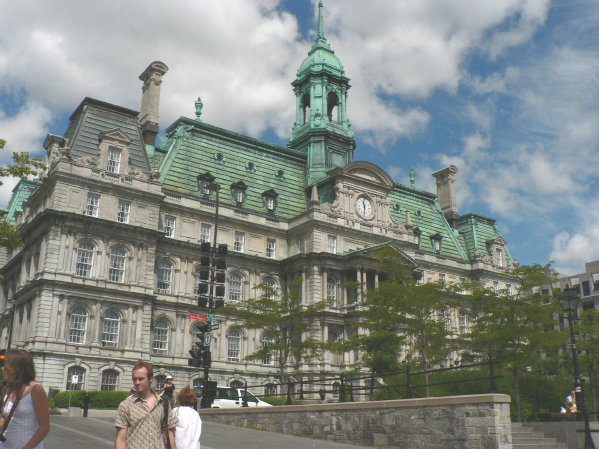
(322, 129)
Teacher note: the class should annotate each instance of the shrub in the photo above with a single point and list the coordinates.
(98, 399)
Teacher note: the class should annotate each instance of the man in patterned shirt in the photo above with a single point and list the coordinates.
(140, 417)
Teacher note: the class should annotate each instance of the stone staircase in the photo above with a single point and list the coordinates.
(524, 437)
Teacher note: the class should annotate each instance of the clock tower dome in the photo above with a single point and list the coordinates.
(322, 129)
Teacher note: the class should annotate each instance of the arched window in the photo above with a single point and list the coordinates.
(306, 107)
(270, 390)
(270, 290)
(235, 287)
(160, 337)
(234, 345)
(165, 276)
(336, 357)
(75, 383)
(198, 384)
(85, 259)
(116, 266)
(332, 110)
(78, 325)
(269, 356)
(332, 290)
(110, 378)
(197, 280)
(160, 381)
(236, 384)
(110, 329)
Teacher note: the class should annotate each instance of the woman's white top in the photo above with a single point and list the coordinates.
(22, 425)
(189, 428)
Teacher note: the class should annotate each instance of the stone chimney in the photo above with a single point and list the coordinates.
(446, 193)
(150, 100)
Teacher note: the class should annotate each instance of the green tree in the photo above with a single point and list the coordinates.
(588, 344)
(286, 323)
(22, 167)
(514, 326)
(402, 315)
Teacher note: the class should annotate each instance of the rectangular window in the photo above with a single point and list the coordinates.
(509, 289)
(499, 257)
(92, 205)
(169, 225)
(495, 286)
(239, 243)
(123, 213)
(113, 163)
(301, 245)
(463, 324)
(205, 232)
(586, 288)
(160, 342)
(332, 244)
(271, 248)
(442, 278)
(109, 380)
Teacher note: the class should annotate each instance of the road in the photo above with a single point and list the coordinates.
(98, 433)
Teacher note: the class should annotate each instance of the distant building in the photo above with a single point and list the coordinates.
(108, 272)
(586, 284)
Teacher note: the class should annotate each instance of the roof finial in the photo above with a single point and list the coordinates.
(321, 22)
(412, 177)
(199, 105)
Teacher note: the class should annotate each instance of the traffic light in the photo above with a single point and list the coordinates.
(2, 355)
(196, 354)
(220, 275)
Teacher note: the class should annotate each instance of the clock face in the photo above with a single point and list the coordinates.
(364, 207)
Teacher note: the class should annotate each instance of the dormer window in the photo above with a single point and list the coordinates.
(251, 167)
(496, 248)
(270, 200)
(205, 182)
(436, 242)
(498, 256)
(417, 234)
(238, 192)
(219, 158)
(113, 162)
(280, 174)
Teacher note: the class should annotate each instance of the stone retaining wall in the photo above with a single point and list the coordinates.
(452, 422)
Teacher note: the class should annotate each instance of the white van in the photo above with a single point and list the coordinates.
(230, 397)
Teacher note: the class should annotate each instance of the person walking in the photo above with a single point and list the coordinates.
(189, 424)
(25, 419)
(168, 389)
(144, 420)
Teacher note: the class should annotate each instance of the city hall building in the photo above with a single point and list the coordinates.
(109, 268)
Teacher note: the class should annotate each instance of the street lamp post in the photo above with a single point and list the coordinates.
(568, 301)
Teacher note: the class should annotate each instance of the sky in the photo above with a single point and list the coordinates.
(506, 90)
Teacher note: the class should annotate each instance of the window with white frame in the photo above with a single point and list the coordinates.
(332, 289)
(92, 204)
(239, 242)
(110, 378)
(197, 280)
(85, 259)
(169, 225)
(113, 162)
(235, 287)
(123, 213)
(463, 323)
(495, 286)
(269, 358)
(270, 290)
(509, 289)
(110, 329)
(270, 390)
(442, 279)
(80, 379)
(332, 244)
(234, 345)
(165, 276)
(116, 265)
(205, 232)
(78, 325)
(498, 254)
(160, 337)
(271, 248)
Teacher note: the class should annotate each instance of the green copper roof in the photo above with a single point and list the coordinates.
(427, 216)
(20, 194)
(193, 148)
(321, 57)
(477, 231)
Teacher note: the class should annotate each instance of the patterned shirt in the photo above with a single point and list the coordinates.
(144, 426)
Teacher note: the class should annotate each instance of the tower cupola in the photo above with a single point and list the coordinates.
(321, 128)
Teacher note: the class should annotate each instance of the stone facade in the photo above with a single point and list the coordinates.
(459, 422)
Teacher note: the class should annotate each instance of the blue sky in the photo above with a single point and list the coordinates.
(506, 90)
